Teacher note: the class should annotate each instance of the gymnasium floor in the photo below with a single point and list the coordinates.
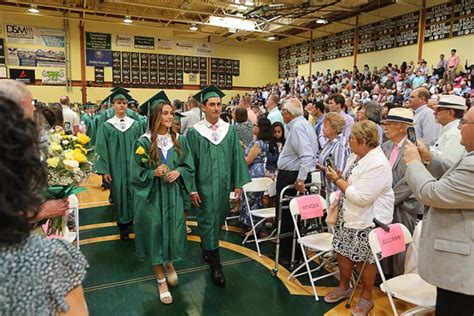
(119, 284)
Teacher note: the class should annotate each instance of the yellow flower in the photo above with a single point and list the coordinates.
(82, 138)
(69, 155)
(80, 147)
(56, 147)
(53, 162)
(140, 151)
(79, 156)
(70, 164)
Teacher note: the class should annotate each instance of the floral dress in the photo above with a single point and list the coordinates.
(256, 170)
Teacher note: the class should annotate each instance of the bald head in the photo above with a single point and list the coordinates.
(64, 100)
(19, 93)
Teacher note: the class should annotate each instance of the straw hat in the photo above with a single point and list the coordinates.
(455, 102)
(400, 115)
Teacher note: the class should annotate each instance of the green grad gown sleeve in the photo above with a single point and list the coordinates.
(102, 165)
(141, 173)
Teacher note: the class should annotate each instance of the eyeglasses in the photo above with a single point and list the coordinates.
(464, 122)
(283, 110)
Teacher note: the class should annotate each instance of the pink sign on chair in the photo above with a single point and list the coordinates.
(391, 242)
(310, 206)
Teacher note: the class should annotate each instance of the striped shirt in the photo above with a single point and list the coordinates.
(340, 151)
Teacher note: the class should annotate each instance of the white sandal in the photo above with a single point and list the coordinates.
(172, 276)
(165, 297)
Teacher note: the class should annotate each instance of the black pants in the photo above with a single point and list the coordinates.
(285, 178)
(450, 303)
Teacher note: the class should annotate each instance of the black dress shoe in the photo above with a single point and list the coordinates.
(217, 277)
(124, 234)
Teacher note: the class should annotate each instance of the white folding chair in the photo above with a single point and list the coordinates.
(258, 185)
(321, 243)
(231, 197)
(409, 287)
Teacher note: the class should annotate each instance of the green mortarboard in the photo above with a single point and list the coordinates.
(89, 105)
(149, 105)
(178, 116)
(132, 101)
(115, 89)
(208, 92)
(118, 94)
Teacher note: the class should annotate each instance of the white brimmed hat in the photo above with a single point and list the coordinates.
(455, 102)
(400, 115)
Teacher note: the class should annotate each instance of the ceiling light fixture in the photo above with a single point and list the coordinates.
(232, 23)
(239, 7)
(232, 30)
(33, 9)
(193, 27)
(321, 21)
(271, 38)
(128, 19)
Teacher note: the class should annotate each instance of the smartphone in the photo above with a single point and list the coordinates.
(411, 134)
(330, 162)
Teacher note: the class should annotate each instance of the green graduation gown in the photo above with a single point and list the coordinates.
(160, 223)
(107, 114)
(114, 148)
(220, 169)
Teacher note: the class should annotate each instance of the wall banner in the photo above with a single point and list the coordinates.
(98, 41)
(2, 52)
(144, 42)
(99, 75)
(53, 77)
(24, 75)
(35, 57)
(123, 41)
(24, 34)
(98, 58)
(204, 49)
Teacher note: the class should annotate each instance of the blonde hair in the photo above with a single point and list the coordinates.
(335, 121)
(366, 132)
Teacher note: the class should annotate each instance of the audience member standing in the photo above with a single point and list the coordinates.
(406, 206)
(425, 125)
(448, 113)
(295, 163)
(452, 65)
(70, 118)
(245, 103)
(446, 255)
(336, 104)
(191, 116)
(38, 276)
(274, 114)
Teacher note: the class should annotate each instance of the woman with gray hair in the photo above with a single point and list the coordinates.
(373, 112)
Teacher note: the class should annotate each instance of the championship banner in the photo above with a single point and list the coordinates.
(35, 57)
(53, 77)
(2, 52)
(24, 34)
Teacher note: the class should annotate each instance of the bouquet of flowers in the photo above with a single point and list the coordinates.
(69, 164)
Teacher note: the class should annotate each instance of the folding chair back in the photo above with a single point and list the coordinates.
(409, 287)
(257, 185)
(315, 200)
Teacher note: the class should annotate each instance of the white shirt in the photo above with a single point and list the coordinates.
(448, 144)
(369, 193)
(190, 118)
(70, 118)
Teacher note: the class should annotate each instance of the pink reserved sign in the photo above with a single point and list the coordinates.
(310, 206)
(391, 242)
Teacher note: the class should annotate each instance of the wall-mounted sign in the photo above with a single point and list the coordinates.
(123, 41)
(144, 42)
(2, 52)
(24, 75)
(35, 57)
(53, 77)
(98, 40)
(98, 58)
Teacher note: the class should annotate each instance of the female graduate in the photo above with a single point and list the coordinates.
(161, 173)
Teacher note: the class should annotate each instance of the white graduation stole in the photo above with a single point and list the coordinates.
(215, 133)
(122, 124)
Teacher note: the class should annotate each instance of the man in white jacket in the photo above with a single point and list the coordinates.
(448, 112)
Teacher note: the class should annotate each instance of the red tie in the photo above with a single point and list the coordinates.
(214, 127)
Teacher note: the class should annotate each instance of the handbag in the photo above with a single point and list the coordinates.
(333, 211)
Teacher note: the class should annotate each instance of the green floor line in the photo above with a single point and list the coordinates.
(152, 277)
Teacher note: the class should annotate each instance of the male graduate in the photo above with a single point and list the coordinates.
(87, 118)
(114, 145)
(220, 169)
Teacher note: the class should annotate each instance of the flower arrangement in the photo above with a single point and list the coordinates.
(69, 164)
